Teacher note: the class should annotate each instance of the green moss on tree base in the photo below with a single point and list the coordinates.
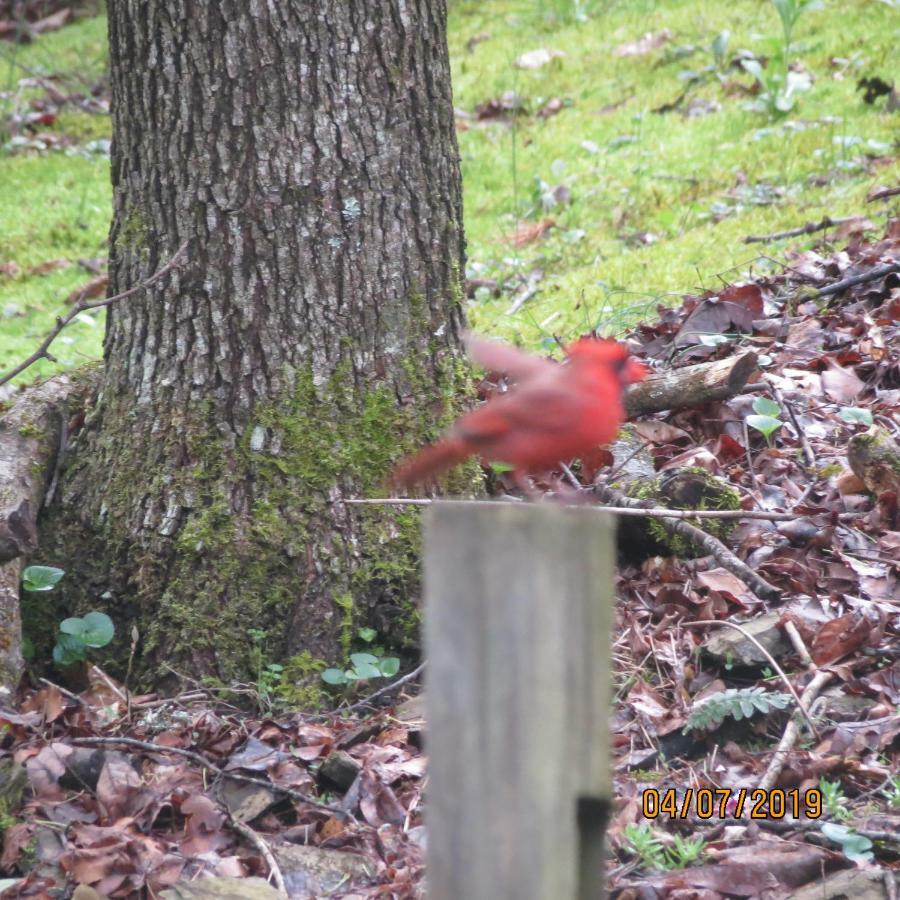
(259, 537)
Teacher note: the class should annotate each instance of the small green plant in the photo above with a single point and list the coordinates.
(739, 704)
(78, 635)
(765, 419)
(834, 801)
(268, 674)
(854, 846)
(642, 842)
(685, 851)
(36, 579)
(780, 84)
(891, 792)
(363, 666)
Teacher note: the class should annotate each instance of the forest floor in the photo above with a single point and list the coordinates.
(611, 186)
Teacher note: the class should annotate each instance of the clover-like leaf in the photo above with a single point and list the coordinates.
(98, 629)
(389, 666)
(334, 676)
(367, 670)
(41, 578)
(361, 659)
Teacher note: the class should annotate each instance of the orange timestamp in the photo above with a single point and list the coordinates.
(732, 803)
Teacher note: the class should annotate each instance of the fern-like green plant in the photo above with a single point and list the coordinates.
(742, 703)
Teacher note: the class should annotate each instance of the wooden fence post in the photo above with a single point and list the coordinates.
(518, 613)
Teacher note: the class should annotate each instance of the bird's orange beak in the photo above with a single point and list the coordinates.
(634, 371)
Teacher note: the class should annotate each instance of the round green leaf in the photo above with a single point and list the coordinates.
(766, 407)
(765, 424)
(856, 416)
(361, 659)
(367, 634)
(98, 629)
(389, 666)
(367, 670)
(69, 649)
(74, 626)
(334, 676)
(41, 578)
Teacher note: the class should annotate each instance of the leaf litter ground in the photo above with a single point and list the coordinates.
(127, 797)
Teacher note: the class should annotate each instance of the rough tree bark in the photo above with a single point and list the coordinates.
(307, 152)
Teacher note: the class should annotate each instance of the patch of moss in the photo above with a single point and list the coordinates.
(301, 684)
(29, 430)
(714, 493)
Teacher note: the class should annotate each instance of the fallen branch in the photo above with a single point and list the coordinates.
(792, 732)
(265, 851)
(700, 538)
(853, 280)
(808, 228)
(82, 305)
(691, 385)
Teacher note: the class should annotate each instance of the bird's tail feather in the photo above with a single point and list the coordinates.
(429, 463)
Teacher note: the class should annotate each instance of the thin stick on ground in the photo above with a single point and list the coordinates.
(807, 449)
(82, 305)
(653, 512)
(779, 671)
(791, 733)
(854, 280)
(808, 228)
(265, 852)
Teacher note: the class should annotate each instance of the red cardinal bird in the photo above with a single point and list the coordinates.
(555, 412)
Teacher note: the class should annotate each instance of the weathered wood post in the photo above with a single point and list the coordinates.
(518, 613)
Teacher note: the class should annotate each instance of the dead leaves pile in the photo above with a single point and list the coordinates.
(130, 818)
(831, 363)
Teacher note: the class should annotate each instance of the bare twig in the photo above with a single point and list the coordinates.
(212, 767)
(872, 275)
(792, 632)
(653, 512)
(366, 701)
(808, 228)
(265, 852)
(82, 305)
(746, 634)
(791, 733)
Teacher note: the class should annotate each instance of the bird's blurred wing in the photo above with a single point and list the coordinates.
(533, 408)
(497, 357)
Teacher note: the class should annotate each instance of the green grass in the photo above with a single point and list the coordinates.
(54, 204)
(630, 171)
(661, 174)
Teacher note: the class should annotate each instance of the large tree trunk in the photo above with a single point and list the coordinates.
(307, 153)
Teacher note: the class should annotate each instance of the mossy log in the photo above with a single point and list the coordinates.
(31, 435)
(691, 385)
(874, 457)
